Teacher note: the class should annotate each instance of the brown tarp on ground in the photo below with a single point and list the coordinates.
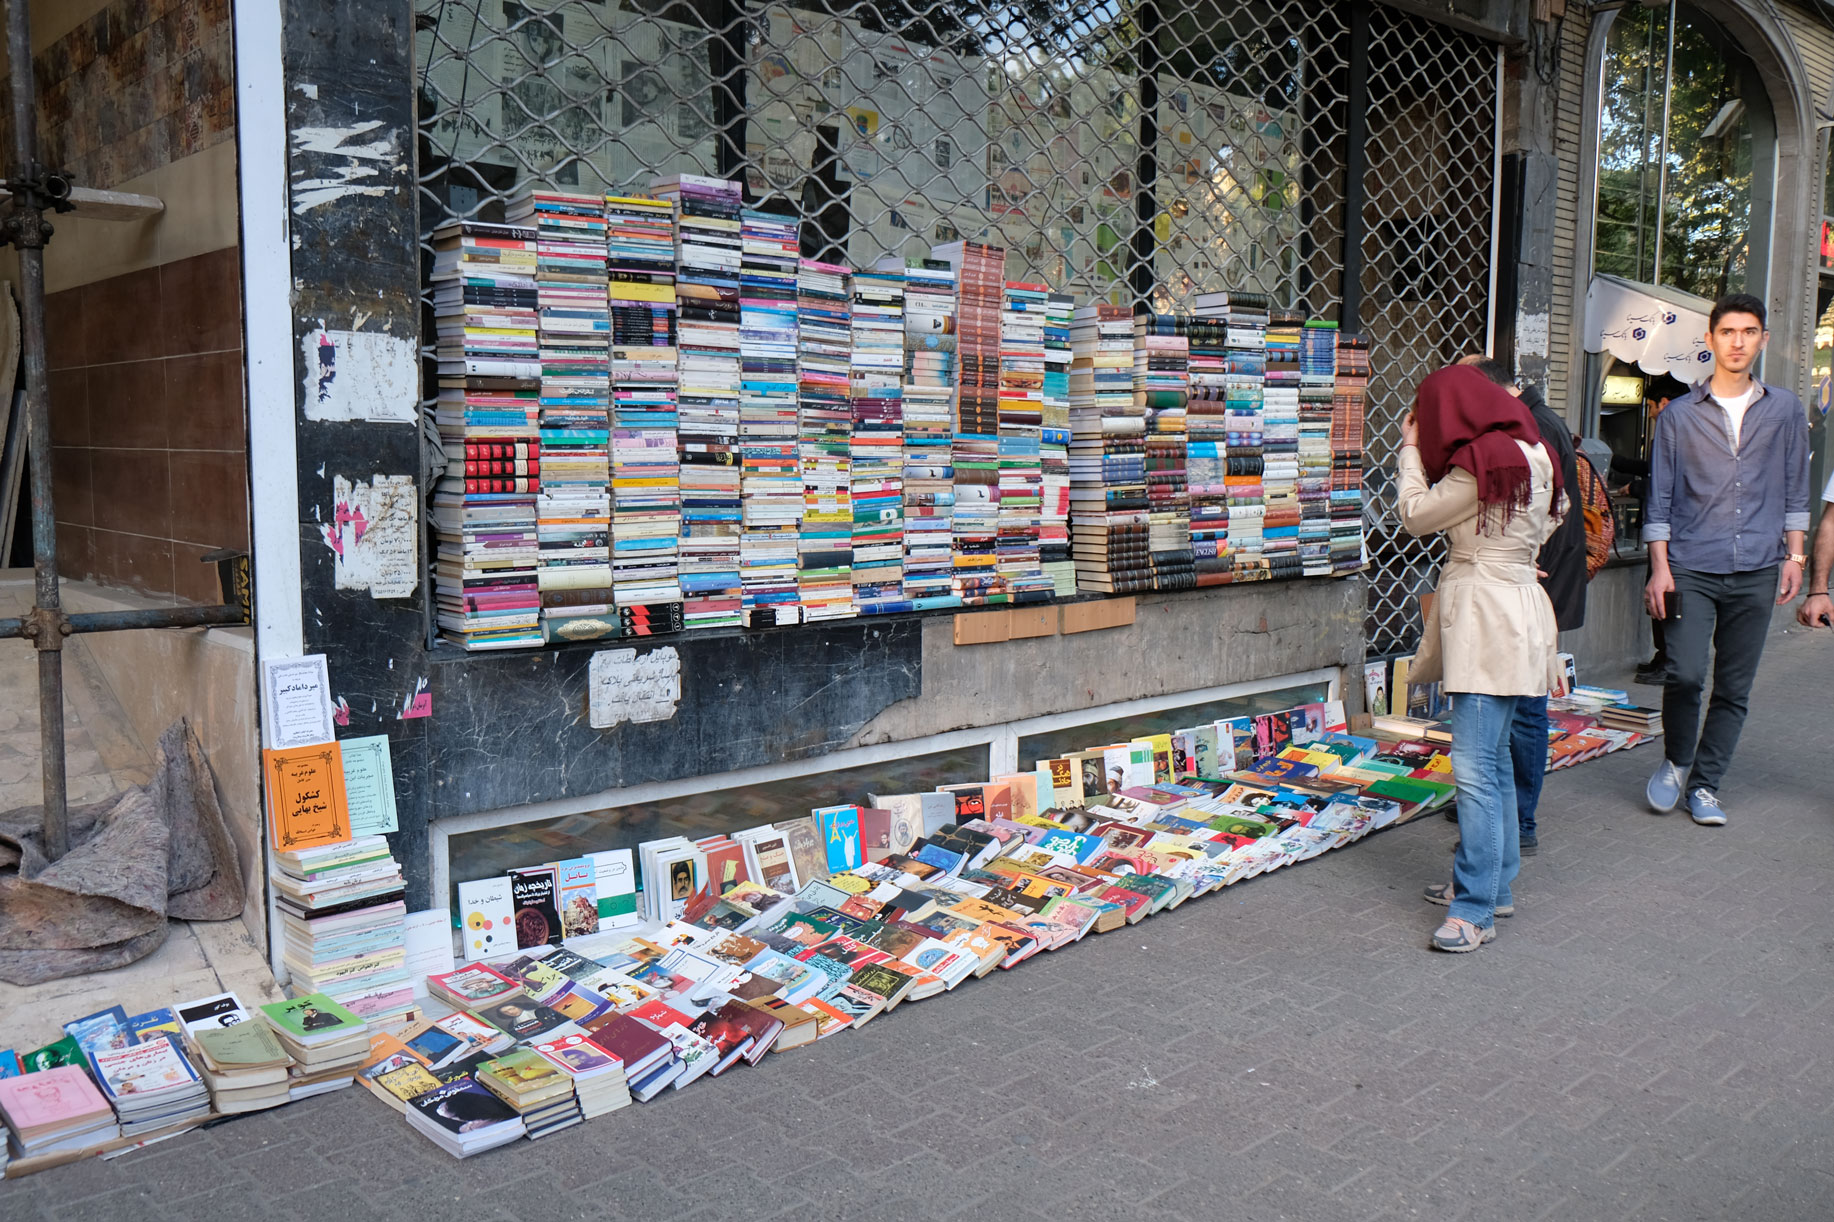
(155, 852)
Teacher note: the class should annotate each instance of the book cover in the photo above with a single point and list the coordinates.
(1375, 688)
(577, 1054)
(577, 884)
(532, 893)
(102, 1031)
(58, 1097)
(305, 796)
(806, 848)
(313, 1016)
(840, 835)
(776, 866)
(522, 1019)
(616, 881)
(155, 1024)
(461, 1106)
(486, 918)
(476, 984)
(219, 1010)
(139, 1069)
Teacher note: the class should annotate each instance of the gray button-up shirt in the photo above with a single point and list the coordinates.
(1721, 507)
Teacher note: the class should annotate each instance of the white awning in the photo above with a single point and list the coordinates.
(1656, 328)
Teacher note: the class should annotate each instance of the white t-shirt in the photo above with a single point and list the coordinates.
(1735, 408)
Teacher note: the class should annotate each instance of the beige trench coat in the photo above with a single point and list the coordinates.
(1491, 628)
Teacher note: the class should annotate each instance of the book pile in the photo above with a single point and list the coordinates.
(327, 1042)
(1348, 406)
(710, 230)
(1054, 448)
(980, 273)
(1246, 361)
(929, 424)
(1635, 717)
(643, 296)
(1021, 470)
(1280, 449)
(1161, 389)
(573, 508)
(151, 1086)
(1207, 439)
(770, 475)
(824, 564)
(342, 910)
(1108, 504)
(485, 305)
(244, 1066)
(539, 1090)
(876, 445)
(598, 1076)
(54, 1109)
(462, 1118)
(1317, 393)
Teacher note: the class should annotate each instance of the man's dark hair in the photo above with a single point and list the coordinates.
(1738, 303)
(1490, 367)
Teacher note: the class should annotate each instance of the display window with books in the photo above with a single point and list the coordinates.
(987, 180)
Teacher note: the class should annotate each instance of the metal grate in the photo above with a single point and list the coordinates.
(1127, 152)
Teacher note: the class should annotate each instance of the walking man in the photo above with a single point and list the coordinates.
(1562, 563)
(1816, 610)
(1727, 518)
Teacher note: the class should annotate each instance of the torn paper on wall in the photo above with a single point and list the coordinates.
(372, 535)
(335, 163)
(360, 375)
(620, 686)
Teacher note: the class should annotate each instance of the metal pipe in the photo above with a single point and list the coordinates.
(27, 230)
(1146, 164)
(1356, 164)
(1496, 220)
(1668, 88)
(127, 621)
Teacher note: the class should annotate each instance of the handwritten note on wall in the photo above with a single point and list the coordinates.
(372, 534)
(305, 796)
(621, 687)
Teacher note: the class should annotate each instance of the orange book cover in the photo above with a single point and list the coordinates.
(305, 796)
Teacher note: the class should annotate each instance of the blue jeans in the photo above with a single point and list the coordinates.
(1528, 751)
(1489, 849)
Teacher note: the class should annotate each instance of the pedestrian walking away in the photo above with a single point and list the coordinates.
(1562, 565)
(1726, 526)
(1472, 467)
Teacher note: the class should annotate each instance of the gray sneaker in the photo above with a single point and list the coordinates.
(1664, 789)
(1704, 808)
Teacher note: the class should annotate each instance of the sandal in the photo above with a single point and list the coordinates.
(1441, 894)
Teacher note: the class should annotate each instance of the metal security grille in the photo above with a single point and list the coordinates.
(1133, 152)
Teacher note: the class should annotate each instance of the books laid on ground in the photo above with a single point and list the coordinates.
(538, 1089)
(327, 1042)
(462, 1118)
(598, 1075)
(245, 1067)
(54, 1109)
(151, 1086)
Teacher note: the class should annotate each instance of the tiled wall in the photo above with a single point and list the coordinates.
(148, 426)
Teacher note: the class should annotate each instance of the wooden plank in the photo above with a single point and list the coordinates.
(983, 627)
(1098, 614)
(1033, 621)
(97, 205)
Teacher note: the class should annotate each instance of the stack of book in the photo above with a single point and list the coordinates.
(1246, 339)
(327, 1042)
(151, 1086)
(485, 304)
(244, 1066)
(598, 1075)
(540, 1091)
(771, 479)
(824, 563)
(54, 1109)
(573, 510)
(1108, 504)
(642, 295)
(980, 275)
(876, 446)
(462, 1118)
(1347, 413)
(342, 917)
(1054, 448)
(929, 423)
(1280, 473)
(1207, 439)
(1631, 717)
(1161, 388)
(1021, 471)
(1317, 392)
(710, 249)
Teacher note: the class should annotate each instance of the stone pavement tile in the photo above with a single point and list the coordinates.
(128, 1201)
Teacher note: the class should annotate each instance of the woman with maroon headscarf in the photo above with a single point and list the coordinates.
(1472, 467)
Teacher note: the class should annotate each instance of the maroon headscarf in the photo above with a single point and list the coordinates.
(1468, 421)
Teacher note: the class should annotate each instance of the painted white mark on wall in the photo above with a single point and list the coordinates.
(1531, 335)
(333, 163)
(372, 535)
(620, 686)
(360, 375)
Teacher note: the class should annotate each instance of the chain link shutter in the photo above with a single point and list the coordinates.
(1127, 153)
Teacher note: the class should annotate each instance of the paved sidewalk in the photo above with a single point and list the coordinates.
(1648, 1039)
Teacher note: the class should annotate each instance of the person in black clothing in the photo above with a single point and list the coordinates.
(1563, 575)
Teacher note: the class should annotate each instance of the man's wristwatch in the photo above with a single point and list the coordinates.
(1796, 558)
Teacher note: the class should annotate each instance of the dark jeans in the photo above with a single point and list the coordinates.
(1528, 752)
(1729, 612)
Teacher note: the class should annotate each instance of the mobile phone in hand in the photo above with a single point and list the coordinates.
(1671, 605)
